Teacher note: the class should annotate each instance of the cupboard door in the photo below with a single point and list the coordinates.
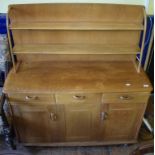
(82, 122)
(38, 123)
(121, 121)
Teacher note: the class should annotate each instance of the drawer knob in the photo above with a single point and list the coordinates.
(31, 98)
(125, 97)
(79, 97)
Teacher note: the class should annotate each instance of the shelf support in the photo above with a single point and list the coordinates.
(10, 43)
(149, 53)
(143, 41)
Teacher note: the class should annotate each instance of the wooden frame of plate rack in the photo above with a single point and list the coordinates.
(29, 23)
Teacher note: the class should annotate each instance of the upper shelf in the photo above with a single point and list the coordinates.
(75, 26)
(74, 49)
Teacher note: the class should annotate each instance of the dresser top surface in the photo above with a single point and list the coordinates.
(48, 77)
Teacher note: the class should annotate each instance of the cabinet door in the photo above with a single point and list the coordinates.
(38, 123)
(82, 121)
(121, 121)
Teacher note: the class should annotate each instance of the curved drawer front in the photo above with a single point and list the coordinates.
(125, 97)
(31, 98)
(67, 98)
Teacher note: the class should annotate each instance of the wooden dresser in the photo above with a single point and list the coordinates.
(75, 79)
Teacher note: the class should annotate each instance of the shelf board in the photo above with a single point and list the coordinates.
(75, 26)
(74, 49)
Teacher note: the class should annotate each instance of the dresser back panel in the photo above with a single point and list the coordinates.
(74, 57)
(76, 13)
(116, 38)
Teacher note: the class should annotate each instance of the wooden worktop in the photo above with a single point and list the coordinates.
(47, 77)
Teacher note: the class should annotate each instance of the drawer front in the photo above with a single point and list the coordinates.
(31, 98)
(78, 98)
(125, 98)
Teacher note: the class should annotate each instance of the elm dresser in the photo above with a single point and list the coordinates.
(75, 79)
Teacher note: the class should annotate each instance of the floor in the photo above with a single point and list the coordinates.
(144, 136)
(104, 150)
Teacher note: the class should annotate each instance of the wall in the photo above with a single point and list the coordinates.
(151, 7)
(4, 3)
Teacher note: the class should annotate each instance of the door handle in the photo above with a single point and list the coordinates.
(53, 116)
(104, 116)
(31, 98)
(125, 97)
(79, 97)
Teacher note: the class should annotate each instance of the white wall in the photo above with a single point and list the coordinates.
(4, 3)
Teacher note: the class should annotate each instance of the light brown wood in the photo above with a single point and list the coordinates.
(52, 77)
(76, 26)
(82, 121)
(143, 41)
(74, 57)
(121, 121)
(10, 43)
(75, 49)
(125, 97)
(42, 37)
(76, 84)
(77, 98)
(64, 24)
(34, 123)
(147, 61)
(76, 12)
(31, 98)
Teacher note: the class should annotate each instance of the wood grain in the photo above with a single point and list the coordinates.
(75, 49)
(30, 37)
(76, 26)
(74, 57)
(76, 83)
(75, 12)
(76, 77)
(35, 31)
(34, 124)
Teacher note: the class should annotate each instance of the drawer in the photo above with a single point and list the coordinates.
(68, 98)
(31, 98)
(125, 97)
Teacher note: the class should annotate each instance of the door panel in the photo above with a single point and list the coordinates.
(122, 121)
(34, 123)
(82, 122)
(57, 125)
